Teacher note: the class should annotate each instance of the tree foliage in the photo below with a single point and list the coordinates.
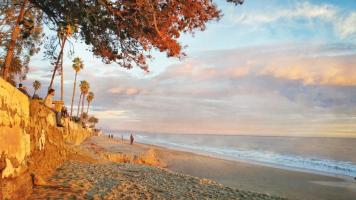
(93, 120)
(77, 64)
(36, 85)
(125, 31)
(27, 43)
(84, 86)
(90, 97)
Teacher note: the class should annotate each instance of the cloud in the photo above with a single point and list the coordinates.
(301, 10)
(316, 72)
(347, 25)
(290, 88)
(343, 24)
(130, 91)
(111, 114)
(313, 65)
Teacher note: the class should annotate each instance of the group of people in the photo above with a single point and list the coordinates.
(49, 104)
(111, 136)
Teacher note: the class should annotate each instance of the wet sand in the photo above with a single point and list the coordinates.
(95, 171)
(246, 176)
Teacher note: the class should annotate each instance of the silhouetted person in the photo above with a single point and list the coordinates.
(48, 103)
(131, 139)
(23, 89)
(64, 112)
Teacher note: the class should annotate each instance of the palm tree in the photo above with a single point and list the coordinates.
(77, 66)
(64, 32)
(90, 98)
(84, 88)
(85, 92)
(36, 86)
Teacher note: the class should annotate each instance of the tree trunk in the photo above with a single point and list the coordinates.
(83, 103)
(88, 107)
(75, 83)
(14, 35)
(57, 63)
(80, 98)
(62, 79)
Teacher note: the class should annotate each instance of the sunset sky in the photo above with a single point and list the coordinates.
(286, 67)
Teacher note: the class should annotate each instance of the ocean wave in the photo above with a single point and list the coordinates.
(328, 166)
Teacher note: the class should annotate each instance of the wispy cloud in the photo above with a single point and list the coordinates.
(300, 10)
(312, 64)
(343, 23)
(130, 91)
(346, 26)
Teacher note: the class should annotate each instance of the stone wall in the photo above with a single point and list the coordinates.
(30, 142)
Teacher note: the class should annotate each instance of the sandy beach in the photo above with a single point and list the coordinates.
(103, 168)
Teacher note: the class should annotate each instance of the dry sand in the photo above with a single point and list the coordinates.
(96, 171)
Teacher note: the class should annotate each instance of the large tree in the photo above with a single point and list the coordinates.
(124, 31)
(20, 37)
(63, 33)
(121, 31)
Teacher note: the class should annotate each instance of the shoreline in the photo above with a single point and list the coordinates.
(256, 177)
(219, 156)
(234, 134)
(103, 168)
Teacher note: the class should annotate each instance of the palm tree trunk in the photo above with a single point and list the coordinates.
(75, 83)
(80, 98)
(88, 107)
(14, 35)
(62, 79)
(57, 63)
(83, 103)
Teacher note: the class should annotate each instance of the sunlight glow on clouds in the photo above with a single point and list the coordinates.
(259, 90)
(128, 91)
(285, 69)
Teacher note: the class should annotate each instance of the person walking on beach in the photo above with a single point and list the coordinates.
(131, 139)
(48, 103)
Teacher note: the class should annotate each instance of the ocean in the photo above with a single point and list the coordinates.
(331, 156)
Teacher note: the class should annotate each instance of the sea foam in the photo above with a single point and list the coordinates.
(297, 162)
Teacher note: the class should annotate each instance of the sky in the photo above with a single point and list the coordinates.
(285, 68)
